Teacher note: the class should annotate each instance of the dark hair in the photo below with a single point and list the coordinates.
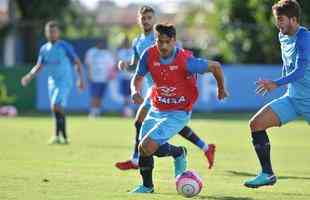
(166, 29)
(146, 9)
(289, 8)
(52, 24)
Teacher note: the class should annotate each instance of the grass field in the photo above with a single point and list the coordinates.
(31, 169)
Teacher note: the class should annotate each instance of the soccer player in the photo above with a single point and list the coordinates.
(125, 53)
(100, 64)
(146, 18)
(295, 48)
(57, 57)
(173, 94)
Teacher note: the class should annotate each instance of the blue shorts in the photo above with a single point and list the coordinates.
(125, 87)
(288, 109)
(161, 126)
(97, 89)
(58, 94)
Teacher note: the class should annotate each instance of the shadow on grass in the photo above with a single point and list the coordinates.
(207, 197)
(223, 198)
(246, 174)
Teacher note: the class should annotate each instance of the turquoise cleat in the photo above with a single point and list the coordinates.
(180, 163)
(142, 189)
(261, 179)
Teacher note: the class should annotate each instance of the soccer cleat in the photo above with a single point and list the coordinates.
(54, 140)
(261, 179)
(64, 141)
(126, 165)
(142, 189)
(180, 163)
(210, 154)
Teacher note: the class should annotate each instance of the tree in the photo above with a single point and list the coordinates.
(246, 30)
(33, 15)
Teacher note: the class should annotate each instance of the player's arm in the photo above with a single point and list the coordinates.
(30, 75)
(35, 69)
(303, 60)
(137, 80)
(77, 64)
(79, 69)
(201, 66)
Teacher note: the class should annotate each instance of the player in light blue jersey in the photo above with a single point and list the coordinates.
(295, 48)
(58, 57)
(146, 17)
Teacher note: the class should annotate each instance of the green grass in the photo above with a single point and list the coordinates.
(31, 169)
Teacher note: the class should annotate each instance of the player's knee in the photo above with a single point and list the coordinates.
(143, 150)
(255, 125)
(147, 147)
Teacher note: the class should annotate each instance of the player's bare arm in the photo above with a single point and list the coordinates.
(78, 68)
(136, 86)
(29, 76)
(215, 68)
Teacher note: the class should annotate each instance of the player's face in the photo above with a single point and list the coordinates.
(52, 34)
(165, 45)
(146, 21)
(284, 24)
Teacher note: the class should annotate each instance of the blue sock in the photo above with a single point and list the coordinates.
(188, 134)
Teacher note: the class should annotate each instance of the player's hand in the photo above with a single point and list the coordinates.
(137, 98)
(264, 86)
(222, 93)
(122, 65)
(80, 84)
(26, 79)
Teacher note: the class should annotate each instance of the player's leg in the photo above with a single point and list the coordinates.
(125, 91)
(155, 132)
(208, 149)
(133, 163)
(58, 97)
(164, 126)
(96, 93)
(274, 114)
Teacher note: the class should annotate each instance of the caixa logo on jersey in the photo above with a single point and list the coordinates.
(171, 100)
(167, 91)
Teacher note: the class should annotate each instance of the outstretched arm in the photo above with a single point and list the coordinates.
(201, 66)
(216, 69)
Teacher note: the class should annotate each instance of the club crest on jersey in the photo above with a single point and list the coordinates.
(167, 91)
(173, 67)
(156, 64)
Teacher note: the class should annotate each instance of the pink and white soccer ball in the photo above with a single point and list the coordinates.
(8, 111)
(189, 184)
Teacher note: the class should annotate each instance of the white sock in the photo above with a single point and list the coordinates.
(205, 148)
(135, 161)
(95, 111)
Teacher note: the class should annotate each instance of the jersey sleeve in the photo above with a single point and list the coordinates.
(302, 60)
(142, 68)
(40, 60)
(69, 51)
(197, 65)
